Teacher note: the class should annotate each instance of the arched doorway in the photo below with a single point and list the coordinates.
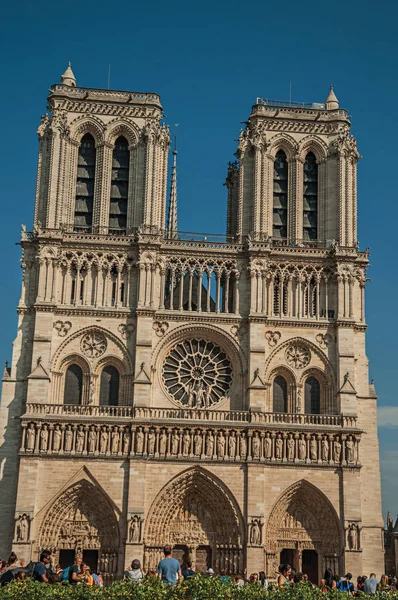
(82, 521)
(199, 517)
(304, 531)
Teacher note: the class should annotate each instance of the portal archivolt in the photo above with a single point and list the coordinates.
(304, 519)
(196, 512)
(82, 519)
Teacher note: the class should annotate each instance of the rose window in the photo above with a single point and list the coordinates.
(93, 344)
(298, 356)
(197, 373)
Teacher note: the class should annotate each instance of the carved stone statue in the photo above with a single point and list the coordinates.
(126, 441)
(302, 449)
(191, 395)
(80, 439)
(22, 528)
(162, 443)
(267, 447)
(221, 445)
(353, 537)
(57, 439)
(91, 391)
(325, 449)
(68, 439)
(337, 451)
(198, 444)
(206, 397)
(175, 441)
(210, 444)
(313, 449)
(243, 445)
(31, 437)
(134, 531)
(140, 441)
(103, 441)
(199, 395)
(232, 445)
(92, 440)
(255, 533)
(256, 445)
(290, 449)
(115, 441)
(186, 443)
(44, 439)
(151, 441)
(278, 447)
(349, 446)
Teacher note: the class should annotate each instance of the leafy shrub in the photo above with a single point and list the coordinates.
(195, 588)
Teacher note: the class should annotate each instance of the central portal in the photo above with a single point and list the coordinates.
(200, 520)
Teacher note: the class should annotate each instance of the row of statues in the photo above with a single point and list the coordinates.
(182, 442)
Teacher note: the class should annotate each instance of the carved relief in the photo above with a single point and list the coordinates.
(93, 344)
(189, 442)
(22, 528)
(62, 327)
(238, 331)
(160, 328)
(323, 339)
(126, 330)
(298, 355)
(273, 337)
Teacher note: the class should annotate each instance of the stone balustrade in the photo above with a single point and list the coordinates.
(240, 417)
(246, 443)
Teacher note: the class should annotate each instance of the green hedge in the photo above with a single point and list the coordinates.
(196, 588)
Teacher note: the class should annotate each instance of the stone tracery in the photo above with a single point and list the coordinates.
(197, 373)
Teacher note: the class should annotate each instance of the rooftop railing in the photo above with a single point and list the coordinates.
(290, 104)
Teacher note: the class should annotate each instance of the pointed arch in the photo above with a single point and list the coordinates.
(87, 124)
(120, 183)
(283, 141)
(304, 517)
(81, 516)
(314, 144)
(196, 507)
(117, 128)
(310, 198)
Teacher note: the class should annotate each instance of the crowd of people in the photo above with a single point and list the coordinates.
(45, 572)
(171, 572)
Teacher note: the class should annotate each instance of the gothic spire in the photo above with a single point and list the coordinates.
(68, 77)
(331, 101)
(172, 227)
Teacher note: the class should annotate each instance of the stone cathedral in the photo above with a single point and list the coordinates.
(211, 393)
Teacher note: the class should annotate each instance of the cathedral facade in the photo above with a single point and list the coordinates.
(208, 393)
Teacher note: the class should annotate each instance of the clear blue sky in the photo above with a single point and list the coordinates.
(209, 61)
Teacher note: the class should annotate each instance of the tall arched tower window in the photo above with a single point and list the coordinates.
(312, 396)
(85, 184)
(280, 394)
(73, 385)
(109, 392)
(279, 228)
(119, 186)
(310, 216)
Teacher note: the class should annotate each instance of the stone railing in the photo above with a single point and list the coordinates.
(138, 413)
(187, 442)
(72, 410)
